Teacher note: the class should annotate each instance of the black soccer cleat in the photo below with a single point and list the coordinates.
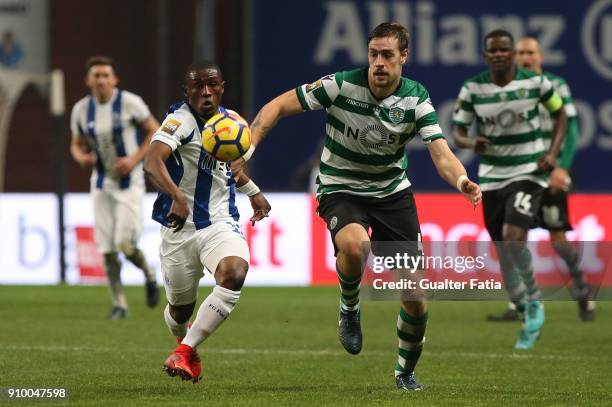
(152, 292)
(509, 315)
(118, 313)
(407, 382)
(349, 331)
(586, 311)
(586, 305)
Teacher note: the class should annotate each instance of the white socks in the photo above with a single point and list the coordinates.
(112, 266)
(178, 330)
(214, 310)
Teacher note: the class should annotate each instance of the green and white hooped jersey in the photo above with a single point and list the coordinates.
(546, 122)
(508, 117)
(364, 152)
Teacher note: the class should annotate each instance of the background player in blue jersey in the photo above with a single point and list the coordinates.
(200, 229)
(107, 135)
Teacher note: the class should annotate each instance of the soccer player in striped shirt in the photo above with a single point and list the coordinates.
(371, 114)
(553, 214)
(107, 126)
(514, 163)
(199, 218)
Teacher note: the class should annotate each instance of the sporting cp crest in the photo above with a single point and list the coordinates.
(522, 93)
(396, 115)
(333, 223)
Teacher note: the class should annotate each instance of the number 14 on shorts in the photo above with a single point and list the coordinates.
(522, 203)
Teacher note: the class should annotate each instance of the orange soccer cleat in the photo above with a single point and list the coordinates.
(184, 362)
(196, 362)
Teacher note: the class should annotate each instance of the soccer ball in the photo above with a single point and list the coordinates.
(226, 136)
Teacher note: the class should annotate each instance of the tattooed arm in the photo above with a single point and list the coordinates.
(284, 105)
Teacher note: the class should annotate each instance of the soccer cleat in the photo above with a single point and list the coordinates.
(586, 305)
(407, 382)
(180, 364)
(509, 315)
(586, 310)
(196, 362)
(527, 340)
(349, 331)
(534, 316)
(118, 313)
(152, 293)
(534, 320)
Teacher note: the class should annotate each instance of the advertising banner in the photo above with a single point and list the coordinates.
(29, 236)
(300, 42)
(289, 248)
(279, 249)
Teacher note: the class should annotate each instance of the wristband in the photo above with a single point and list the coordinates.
(249, 189)
(460, 180)
(249, 153)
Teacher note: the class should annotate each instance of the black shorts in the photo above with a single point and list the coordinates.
(553, 214)
(516, 204)
(392, 218)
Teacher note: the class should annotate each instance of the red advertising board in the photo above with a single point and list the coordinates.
(449, 218)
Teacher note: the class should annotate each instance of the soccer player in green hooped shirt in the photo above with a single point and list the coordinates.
(553, 214)
(371, 114)
(514, 163)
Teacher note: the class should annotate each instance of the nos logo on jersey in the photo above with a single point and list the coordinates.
(372, 136)
(396, 115)
(506, 118)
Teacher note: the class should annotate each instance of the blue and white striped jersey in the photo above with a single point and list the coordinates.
(112, 130)
(207, 183)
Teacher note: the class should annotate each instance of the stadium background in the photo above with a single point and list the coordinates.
(153, 41)
(280, 346)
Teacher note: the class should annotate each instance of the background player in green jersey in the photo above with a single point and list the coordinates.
(553, 214)
(513, 164)
(371, 114)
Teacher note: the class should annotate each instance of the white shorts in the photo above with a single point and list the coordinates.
(184, 254)
(117, 218)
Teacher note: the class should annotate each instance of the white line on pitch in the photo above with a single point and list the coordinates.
(303, 352)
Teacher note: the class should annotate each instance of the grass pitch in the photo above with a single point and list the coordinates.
(280, 347)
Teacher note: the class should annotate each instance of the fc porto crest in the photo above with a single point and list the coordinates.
(396, 115)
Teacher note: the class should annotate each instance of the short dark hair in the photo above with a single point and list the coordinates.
(391, 29)
(199, 65)
(496, 34)
(99, 60)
